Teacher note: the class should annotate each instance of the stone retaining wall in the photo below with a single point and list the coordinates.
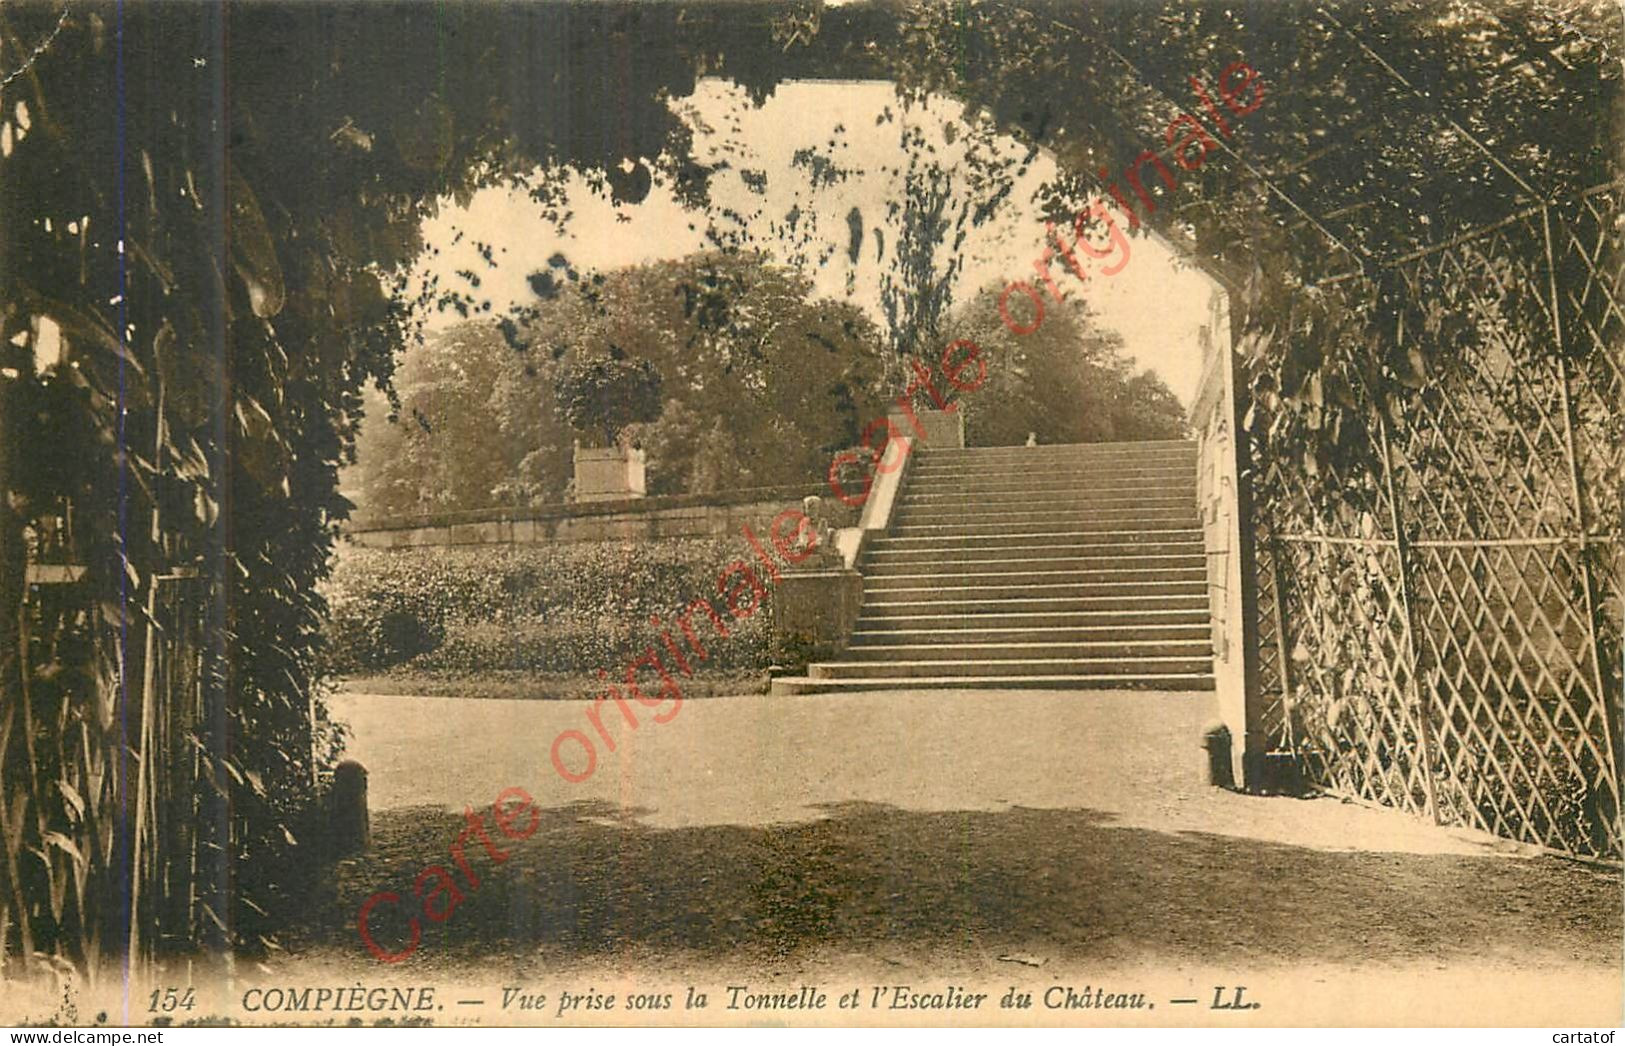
(691, 515)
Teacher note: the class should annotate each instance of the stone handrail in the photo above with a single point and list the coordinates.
(882, 499)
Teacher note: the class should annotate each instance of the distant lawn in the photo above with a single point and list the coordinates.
(535, 686)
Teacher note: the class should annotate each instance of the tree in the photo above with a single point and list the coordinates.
(943, 197)
(468, 412)
(220, 311)
(1148, 409)
(604, 394)
(1067, 382)
(762, 380)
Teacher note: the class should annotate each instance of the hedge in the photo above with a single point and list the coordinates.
(585, 646)
(574, 607)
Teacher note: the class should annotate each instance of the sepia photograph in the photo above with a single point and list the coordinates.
(811, 513)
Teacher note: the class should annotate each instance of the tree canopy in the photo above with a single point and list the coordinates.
(604, 393)
(761, 382)
(1067, 382)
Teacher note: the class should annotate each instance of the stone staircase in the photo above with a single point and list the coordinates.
(1059, 567)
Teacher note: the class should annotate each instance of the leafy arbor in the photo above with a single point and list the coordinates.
(220, 266)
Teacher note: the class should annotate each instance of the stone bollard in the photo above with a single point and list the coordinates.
(1216, 741)
(348, 828)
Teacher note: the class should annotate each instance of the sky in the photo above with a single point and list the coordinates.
(1156, 302)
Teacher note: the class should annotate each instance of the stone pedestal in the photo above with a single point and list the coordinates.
(609, 473)
(814, 612)
(943, 430)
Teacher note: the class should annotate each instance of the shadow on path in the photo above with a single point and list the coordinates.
(593, 884)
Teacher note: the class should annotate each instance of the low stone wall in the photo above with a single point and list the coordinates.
(688, 515)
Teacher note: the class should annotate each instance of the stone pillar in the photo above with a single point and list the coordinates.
(609, 473)
(814, 612)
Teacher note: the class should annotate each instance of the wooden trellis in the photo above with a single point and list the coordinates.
(172, 839)
(128, 778)
(1441, 633)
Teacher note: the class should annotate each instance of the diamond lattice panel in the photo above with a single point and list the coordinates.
(1470, 665)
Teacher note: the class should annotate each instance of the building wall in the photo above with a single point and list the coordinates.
(1213, 419)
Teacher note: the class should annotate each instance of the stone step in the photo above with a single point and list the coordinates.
(878, 558)
(889, 639)
(1027, 478)
(1069, 536)
(1085, 524)
(1063, 450)
(1098, 447)
(1012, 667)
(953, 576)
(1074, 471)
(971, 505)
(1001, 512)
(899, 604)
(1060, 649)
(790, 685)
(1128, 566)
(1152, 619)
(950, 588)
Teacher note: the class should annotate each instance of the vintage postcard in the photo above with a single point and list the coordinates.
(893, 512)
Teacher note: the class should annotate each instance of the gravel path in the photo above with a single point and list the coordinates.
(970, 834)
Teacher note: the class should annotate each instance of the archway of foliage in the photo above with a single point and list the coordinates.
(1420, 226)
(211, 204)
